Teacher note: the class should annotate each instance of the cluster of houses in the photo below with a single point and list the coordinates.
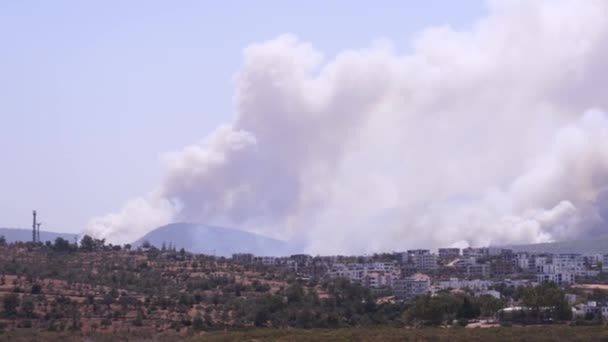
(409, 274)
(591, 308)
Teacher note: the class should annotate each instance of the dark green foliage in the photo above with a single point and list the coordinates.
(36, 289)
(546, 302)
(197, 323)
(88, 244)
(468, 309)
(62, 245)
(447, 308)
(138, 321)
(10, 304)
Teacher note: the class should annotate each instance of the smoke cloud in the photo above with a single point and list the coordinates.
(490, 135)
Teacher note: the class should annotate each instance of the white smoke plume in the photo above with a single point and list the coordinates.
(484, 136)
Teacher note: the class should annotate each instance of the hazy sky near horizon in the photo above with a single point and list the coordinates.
(92, 92)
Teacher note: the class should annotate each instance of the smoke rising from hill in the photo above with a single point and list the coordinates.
(490, 135)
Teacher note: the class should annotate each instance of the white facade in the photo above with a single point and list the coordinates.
(455, 283)
(378, 280)
(591, 307)
(571, 263)
(561, 268)
(492, 293)
(558, 278)
(523, 261)
(376, 273)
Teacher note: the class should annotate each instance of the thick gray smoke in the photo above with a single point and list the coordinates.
(490, 135)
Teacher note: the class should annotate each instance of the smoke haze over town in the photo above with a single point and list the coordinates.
(493, 134)
(337, 128)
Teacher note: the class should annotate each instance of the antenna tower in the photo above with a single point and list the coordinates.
(34, 225)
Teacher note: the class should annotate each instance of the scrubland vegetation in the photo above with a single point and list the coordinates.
(60, 291)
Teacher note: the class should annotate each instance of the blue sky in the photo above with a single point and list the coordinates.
(92, 92)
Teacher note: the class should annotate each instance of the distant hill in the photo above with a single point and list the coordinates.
(25, 235)
(200, 238)
(597, 245)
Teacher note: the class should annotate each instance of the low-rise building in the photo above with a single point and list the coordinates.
(267, 260)
(491, 293)
(590, 308)
(374, 274)
(423, 260)
(448, 253)
(471, 252)
(551, 275)
(478, 271)
(378, 280)
(243, 258)
(455, 283)
(411, 287)
(499, 267)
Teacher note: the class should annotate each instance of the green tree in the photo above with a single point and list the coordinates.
(11, 303)
(294, 293)
(27, 307)
(197, 323)
(36, 289)
(490, 305)
(62, 245)
(261, 317)
(469, 309)
(139, 319)
(87, 243)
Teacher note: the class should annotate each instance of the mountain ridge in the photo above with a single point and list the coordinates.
(593, 246)
(215, 240)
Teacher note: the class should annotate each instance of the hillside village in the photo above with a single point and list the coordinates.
(481, 271)
(93, 287)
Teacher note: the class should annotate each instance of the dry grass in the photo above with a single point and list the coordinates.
(538, 333)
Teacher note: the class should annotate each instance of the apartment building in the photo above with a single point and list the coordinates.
(411, 287)
(448, 253)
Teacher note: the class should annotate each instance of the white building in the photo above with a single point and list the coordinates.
(522, 261)
(369, 274)
(449, 253)
(591, 307)
(561, 268)
(267, 260)
(549, 274)
(478, 271)
(571, 263)
(455, 283)
(412, 287)
(471, 252)
(423, 259)
(570, 298)
(491, 293)
(378, 280)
